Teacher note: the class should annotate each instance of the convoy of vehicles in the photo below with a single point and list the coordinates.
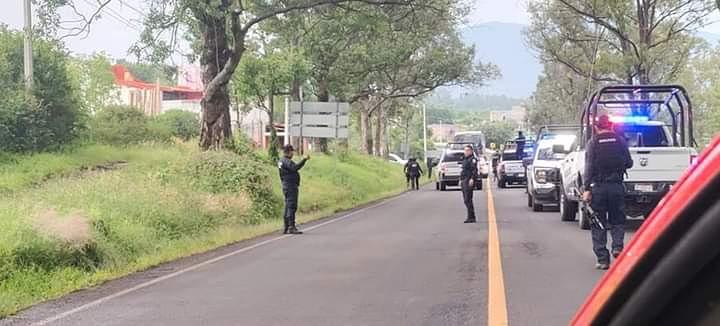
(661, 150)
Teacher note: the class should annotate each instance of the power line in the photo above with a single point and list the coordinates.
(124, 3)
(116, 16)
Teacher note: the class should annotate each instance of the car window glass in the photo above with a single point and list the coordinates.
(453, 157)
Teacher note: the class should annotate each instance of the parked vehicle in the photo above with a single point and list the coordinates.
(667, 275)
(511, 169)
(543, 177)
(660, 155)
(450, 167)
(394, 158)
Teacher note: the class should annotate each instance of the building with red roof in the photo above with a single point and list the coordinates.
(154, 98)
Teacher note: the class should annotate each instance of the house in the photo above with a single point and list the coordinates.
(154, 98)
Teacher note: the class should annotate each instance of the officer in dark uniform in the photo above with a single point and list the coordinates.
(606, 159)
(429, 163)
(520, 145)
(467, 182)
(414, 171)
(290, 178)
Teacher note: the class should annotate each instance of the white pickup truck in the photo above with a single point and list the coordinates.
(657, 165)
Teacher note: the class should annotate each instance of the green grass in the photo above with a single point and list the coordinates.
(62, 229)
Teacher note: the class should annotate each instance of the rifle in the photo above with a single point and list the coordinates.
(592, 215)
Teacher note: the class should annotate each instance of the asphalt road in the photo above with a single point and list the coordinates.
(406, 261)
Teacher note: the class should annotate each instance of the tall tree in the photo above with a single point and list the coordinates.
(218, 30)
(641, 41)
(93, 77)
(262, 77)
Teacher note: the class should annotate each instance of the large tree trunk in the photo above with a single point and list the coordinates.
(321, 144)
(377, 150)
(273, 148)
(383, 133)
(365, 127)
(216, 127)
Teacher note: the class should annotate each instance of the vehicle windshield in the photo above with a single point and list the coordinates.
(469, 138)
(453, 157)
(643, 136)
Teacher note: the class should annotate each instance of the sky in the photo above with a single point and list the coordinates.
(119, 26)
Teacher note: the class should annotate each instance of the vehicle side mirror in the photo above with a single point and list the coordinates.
(527, 161)
(559, 149)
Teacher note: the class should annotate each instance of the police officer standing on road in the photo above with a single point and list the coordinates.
(467, 182)
(520, 145)
(414, 171)
(606, 159)
(290, 178)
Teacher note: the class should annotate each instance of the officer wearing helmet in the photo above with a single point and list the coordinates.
(290, 178)
(606, 159)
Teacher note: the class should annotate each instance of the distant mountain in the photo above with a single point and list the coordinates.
(504, 45)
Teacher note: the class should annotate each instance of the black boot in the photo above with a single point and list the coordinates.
(470, 220)
(287, 226)
(293, 229)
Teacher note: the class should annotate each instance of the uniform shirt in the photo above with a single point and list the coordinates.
(469, 168)
(520, 147)
(413, 168)
(289, 174)
(606, 156)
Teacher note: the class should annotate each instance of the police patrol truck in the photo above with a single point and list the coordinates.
(656, 121)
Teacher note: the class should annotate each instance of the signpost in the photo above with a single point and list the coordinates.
(318, 119)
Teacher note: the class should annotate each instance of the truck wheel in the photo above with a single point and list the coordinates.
(529, 200)
(501, 182)
(568, 209)
(583, 220)
(442, 186)
(535, 207)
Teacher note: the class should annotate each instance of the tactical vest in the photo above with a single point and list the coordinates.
(609, 157)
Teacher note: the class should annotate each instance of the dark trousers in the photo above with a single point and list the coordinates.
(467, 192)
(291, 204)
(429, 172)
(415, 182)
(608, 200)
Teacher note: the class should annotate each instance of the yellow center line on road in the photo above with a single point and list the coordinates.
(497, 306)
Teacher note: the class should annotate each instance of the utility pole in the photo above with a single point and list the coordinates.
(27, 51)
(425, 130)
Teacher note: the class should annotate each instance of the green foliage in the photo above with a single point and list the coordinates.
(181, 124)
(499, 132)
(51, 116)
(93, 77)
(702, 80)
(123, 125)
(166, 202)
(226, 172)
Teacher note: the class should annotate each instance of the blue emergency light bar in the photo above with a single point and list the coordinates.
(629, 119)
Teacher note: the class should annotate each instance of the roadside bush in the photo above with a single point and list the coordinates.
(125, 125)
(180, 124)
(52, 115)
(226, 172)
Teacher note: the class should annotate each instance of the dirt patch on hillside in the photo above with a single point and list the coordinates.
(73, 228)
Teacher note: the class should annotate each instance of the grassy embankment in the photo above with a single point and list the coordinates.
(73, 220)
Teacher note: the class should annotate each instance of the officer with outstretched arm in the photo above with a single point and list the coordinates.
(606, 159)
(290, 178)
(467, 182)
